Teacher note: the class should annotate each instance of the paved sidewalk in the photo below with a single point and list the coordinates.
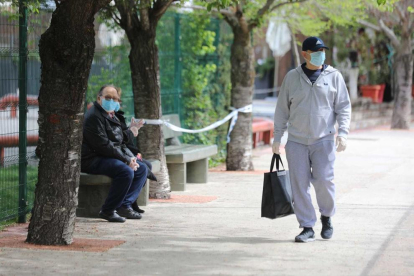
(220, 232)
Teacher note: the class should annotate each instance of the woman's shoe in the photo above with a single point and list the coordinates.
(151, 176)
(136, 208)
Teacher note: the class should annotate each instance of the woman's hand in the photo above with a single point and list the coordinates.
(135, 126)
(133, 164)
(134, 131)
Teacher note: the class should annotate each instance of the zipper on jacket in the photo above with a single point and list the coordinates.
(310, 113)
(312, 96)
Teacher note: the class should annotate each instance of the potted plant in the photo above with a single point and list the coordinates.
(375, 88)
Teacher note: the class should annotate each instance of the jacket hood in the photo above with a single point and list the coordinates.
(329, 69)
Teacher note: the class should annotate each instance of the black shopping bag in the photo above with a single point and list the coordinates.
(277, 192)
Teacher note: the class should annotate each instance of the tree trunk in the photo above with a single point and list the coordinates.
(66, 51)
(145, 76)
(239, 150)
(403, 73)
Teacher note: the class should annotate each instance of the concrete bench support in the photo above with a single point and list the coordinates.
(186, 163)
(93, 190)
(197, 171)
(191, 172)
(178, 176)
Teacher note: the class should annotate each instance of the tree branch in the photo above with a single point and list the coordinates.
(114, 17)
(160, 8)
(143, 10)
(239, 10)
(254, 22)
(399, 12)
(221, 11)
(265, 8)
(390, 33)
(404, 19)
(369, 25)
(129, 19)
(411, 30)
(284, 3)
(231, 19)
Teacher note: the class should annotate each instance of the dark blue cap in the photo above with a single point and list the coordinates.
(313, 43)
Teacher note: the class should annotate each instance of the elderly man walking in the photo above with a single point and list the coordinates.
(313, 97)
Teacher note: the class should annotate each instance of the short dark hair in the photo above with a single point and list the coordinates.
(118, 90)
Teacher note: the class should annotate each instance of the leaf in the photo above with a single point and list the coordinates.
(381, 2)
(410, 9)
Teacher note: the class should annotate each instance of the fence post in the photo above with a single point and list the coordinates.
(177, 62)
(22, 110)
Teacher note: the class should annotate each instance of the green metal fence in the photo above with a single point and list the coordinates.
(19, 88)
(18, 165)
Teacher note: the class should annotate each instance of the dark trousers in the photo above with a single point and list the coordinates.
(126, 183)
(149, 165)
(146, 162)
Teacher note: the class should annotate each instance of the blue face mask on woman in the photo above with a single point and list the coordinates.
(110, 105)
(317, 58)
(118, 106)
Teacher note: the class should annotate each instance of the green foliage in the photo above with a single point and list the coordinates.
(9, 189)
(220, 92)
(266, 66)
(194, 73)
(373, 56)
(114, 70)
(315, 17)
(205, 93)
(219, 4)
(10, 8)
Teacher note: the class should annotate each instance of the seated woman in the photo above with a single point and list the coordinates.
(130, 133)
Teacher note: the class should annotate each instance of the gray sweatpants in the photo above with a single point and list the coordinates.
(311, 164)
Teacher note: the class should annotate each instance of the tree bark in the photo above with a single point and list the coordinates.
(66, 51)
(403, 73)
(239, 150)
(389, 23)
(145, 76)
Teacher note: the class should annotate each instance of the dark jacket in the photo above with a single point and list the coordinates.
(129, 142)
(102, 137)
(128, 135)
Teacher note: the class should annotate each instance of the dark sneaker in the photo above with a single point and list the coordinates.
(327, 229)
(111, 217)
(307, 235)
(136, 208)
(128, 213)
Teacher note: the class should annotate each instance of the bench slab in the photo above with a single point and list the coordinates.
(188, 163)
(93, 190)
(188, 153)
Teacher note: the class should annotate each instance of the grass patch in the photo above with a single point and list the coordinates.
(9, 192)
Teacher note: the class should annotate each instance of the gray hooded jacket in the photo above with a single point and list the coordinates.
(310, 112)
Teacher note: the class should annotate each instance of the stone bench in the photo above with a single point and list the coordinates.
(93, 190)
(186, 163)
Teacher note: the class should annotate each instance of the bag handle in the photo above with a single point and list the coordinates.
(277, 158)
